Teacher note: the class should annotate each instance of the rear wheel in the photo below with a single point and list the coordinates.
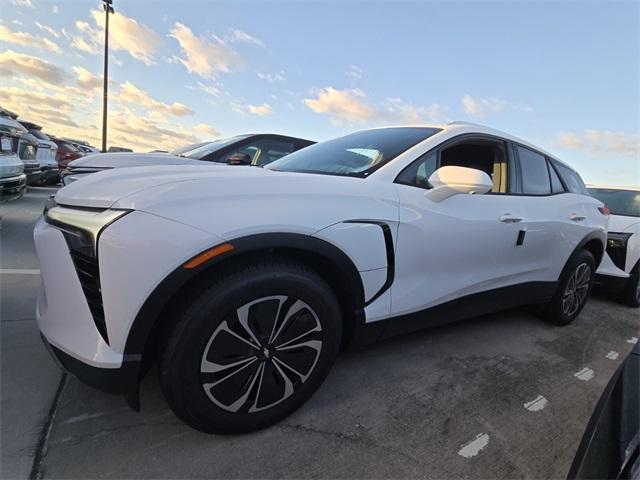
(630, 294)
(573, 289)
(251, 348)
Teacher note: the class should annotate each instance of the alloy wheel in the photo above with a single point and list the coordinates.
(576, 290)
(261, 354)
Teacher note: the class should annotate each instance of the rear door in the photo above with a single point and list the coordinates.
(555, 218)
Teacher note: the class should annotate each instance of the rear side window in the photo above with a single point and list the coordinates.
(535, 175)
(556, 184)
(571, 179)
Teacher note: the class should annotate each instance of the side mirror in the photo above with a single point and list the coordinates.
(450, 180)
(239, 159)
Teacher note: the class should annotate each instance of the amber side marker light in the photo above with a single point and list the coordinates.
(208, 255)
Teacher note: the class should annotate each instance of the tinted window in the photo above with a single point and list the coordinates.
(212, 147)
(38, 134)
(262, 152)
(535, 175)
(556, 184)
(619, 202)
(417, 174)
(357, 154)
(571, 179)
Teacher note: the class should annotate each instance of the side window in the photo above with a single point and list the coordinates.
(486, 155)
(556, 184)
(535, 174)
(571, 179)
(417, 174)
(262, 152)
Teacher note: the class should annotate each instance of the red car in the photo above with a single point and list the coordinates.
(66, 152)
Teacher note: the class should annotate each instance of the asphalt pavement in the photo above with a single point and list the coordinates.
(500, 396)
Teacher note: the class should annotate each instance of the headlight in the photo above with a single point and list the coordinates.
(81, 226)
(617, 240)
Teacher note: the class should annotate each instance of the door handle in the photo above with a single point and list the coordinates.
(508, 218)
(576, 218)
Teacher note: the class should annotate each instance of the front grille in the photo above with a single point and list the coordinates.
(16, 184)
(618, 255)
(88, 274)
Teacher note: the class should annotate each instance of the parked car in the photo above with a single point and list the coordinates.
(244, 283)
(13, 182)
(25, 146)
(620, 267)
(66, 153)
(256, 149)
(45, 154)
(83, 146)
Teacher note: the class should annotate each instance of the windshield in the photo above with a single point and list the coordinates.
(38, 134)
(619, 202)
(357, 154)
(201, 152)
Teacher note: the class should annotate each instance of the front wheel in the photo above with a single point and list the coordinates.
(573, 289)
(251, 348)
(630, 294)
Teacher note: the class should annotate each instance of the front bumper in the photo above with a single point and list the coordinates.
(33, 174)
(122, 380)
(12, 188)
(50, 174)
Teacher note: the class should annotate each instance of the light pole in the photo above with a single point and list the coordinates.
(108, 8)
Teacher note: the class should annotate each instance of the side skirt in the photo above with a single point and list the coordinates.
(461, 308)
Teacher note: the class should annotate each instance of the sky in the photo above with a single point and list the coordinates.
(562, 75)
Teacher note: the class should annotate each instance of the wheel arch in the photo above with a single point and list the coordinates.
(324, 258)
(594, 243)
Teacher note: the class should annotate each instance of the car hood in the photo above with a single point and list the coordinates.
(622, 223)
(10, 165)
(103, 189)
(125, 159)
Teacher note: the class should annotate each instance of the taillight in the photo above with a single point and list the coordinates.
(604, 211)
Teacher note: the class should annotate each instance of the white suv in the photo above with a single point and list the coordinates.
(244, 283)
(620, 267)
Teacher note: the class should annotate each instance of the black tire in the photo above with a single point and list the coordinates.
(557, 311)
(630, 294)
(200, 343)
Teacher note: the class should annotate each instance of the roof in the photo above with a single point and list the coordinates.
(615, 187)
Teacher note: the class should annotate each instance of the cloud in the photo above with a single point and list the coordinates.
(43, 108)
(212, 90)
(55, 9)
(260, 110)
(600, 142)
(23, 3)
(13, 64)
(146, 132)
(86, 79)
(27, 40)
(207, 130)
(351, 106)
(354, 72)
(272, 78)
(131, 94)
(341, 105)
(396, 110)
(125, 34)
(47, 29)
(203, 56)
(239, 36)
(481, 107)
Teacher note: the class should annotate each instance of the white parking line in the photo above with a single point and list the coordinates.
(585, 374)
(612, 355)
(472, 448)
(536, 404)
(633, 340)
(19, 271)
